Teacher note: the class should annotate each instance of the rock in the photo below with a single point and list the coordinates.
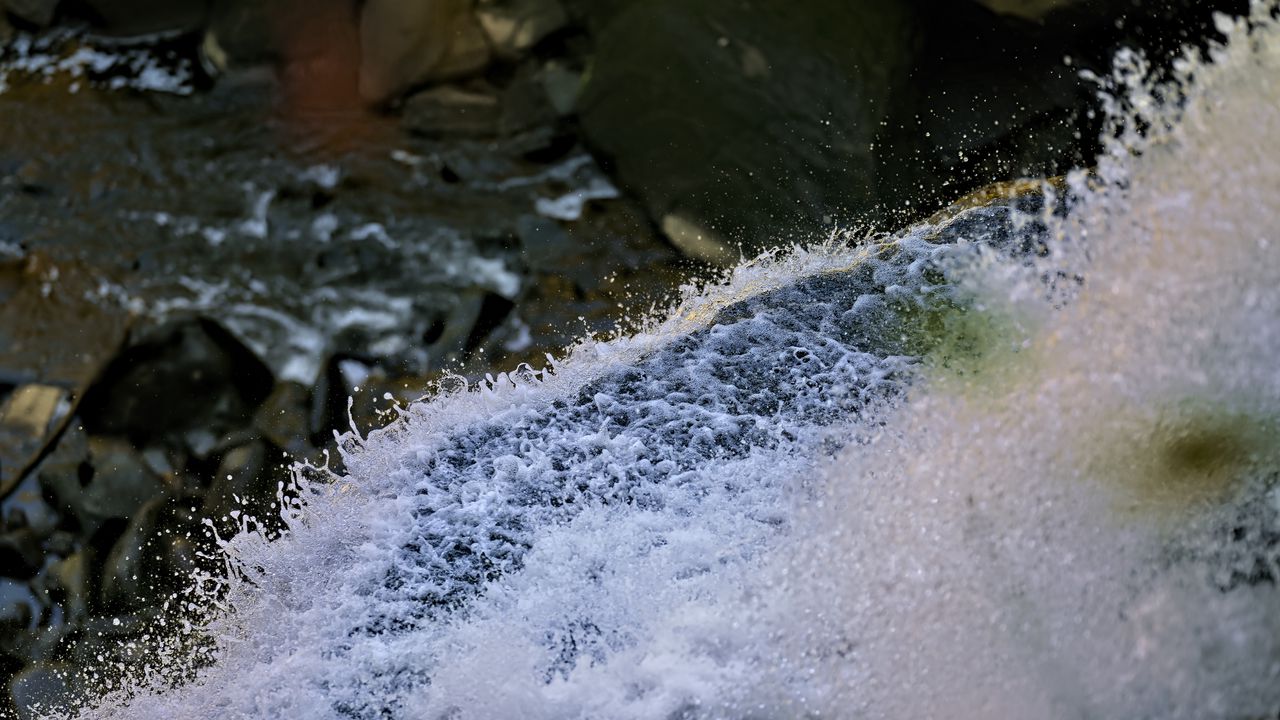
(36, 12)
(30, 416)
(285, 419)
(1027, 9)
(450, 110)
(67, 581)
(145, 17)
(54, 340)
(41, 690)
(186, 382)
(243, 483)
(515, 26)
(755, 127)
(156, 556)
(250, 32)
(6, 30)
(414, 42)
(110, 481)
(20, 554)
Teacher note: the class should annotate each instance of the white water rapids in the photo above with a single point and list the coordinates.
(1006, 466)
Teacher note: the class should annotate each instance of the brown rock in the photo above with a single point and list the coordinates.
(515, 26)
(414, 42)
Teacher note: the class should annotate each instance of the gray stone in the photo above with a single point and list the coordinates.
(406, 43)
(110, 481)
(755, 127)
(41, 690)
(145, 17)
(20, 554)
(515, 26)
(155, 556)
(242, 483)
(450, 110)
(175, 379)
(37, 12)
(285, 419)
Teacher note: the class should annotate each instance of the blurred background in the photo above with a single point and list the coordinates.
(221, 219)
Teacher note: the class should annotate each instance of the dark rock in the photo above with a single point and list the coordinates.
(6, 30)
(526, 103)
(156, 556)
(110, 481)
(247, 31)
(515, 26)
(1027, 9)
(413, 42)
(177, 379)
(42, 690)
(67, 582)
(745, 127)
(20, 554)
(26, 507)
(242, 484)
(36, 12)
(450, 110)
(144, 17)
(285, 419)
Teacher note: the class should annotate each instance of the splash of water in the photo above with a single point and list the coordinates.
(963, 473)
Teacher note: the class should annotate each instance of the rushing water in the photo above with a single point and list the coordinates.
(1008, 465)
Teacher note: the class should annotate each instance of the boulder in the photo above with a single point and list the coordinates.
(184, 382)
(110, 482)
(406, 43)
(145, 17)
(36, 12)
(515, 26)
(743, 128)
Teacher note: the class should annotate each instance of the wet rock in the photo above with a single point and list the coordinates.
(6, 30)
(67, 583)
(285, 419)
(242, 484)
(754, 126)
(20, 554)
(415, 42)
(450, 110)
(36, 12)
(144, 17)
(176, 384)
(42, 690)
(156, 556)
(526, 103)
(54, 340)
(109, 481)
(246, 31)
(515, 26)
(30, 416)
(1028, 9)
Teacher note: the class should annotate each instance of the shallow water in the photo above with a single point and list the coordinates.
(1019, 464)
(308, 227)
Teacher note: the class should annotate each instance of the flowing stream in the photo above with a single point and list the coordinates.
(1020, 462)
